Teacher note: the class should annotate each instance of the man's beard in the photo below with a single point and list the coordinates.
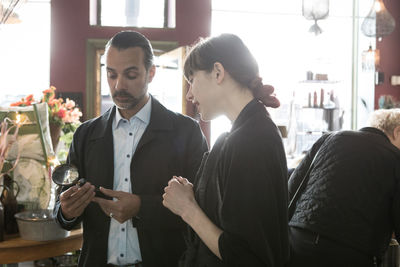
(130, 103)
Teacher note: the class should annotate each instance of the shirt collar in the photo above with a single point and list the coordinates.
(143, 114)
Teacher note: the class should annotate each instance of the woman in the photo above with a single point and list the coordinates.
(237, 212)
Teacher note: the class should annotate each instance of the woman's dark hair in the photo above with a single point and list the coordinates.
(128, 39)
(231, 52)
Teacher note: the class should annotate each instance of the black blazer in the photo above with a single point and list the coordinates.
(242, 188)
(172, 144)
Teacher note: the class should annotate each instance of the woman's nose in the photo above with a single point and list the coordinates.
(189, 95)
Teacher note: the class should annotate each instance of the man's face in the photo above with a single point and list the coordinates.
(128, 79)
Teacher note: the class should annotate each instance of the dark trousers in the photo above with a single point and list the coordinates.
(309, 249)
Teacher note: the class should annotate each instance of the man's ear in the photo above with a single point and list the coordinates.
(151, 73)
(218, 72)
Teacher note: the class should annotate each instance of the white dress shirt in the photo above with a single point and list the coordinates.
(123, 242)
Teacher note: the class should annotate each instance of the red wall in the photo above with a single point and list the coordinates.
(70, 29)
(390, 55)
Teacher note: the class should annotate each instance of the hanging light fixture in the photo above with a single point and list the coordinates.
(370, 59)
(315, 10)
(379, 22)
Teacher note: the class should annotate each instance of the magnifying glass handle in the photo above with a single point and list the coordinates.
(101, 194)
(81, 182)
(97, 191)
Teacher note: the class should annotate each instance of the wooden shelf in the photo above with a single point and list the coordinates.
(319, 81)
(15, 249)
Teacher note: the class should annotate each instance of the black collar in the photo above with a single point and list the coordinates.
(252, 107)
(375, 131)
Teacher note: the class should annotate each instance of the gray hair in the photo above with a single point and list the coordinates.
(385, 120)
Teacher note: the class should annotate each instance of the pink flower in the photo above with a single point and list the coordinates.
(69, 104)
(72, 116)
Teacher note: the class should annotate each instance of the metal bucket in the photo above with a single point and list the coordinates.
(39, 225)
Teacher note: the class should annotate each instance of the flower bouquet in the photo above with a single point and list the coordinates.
(63, 116)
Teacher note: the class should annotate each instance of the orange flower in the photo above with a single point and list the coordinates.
(29, 98)
(59, 112)
(17, 104)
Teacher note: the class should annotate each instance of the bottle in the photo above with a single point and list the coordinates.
(321, 99)
(315, 100)
(9, 200)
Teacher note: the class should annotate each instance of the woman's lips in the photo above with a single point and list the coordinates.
(197, 105)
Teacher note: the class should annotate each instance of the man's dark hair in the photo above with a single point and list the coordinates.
(126, 39)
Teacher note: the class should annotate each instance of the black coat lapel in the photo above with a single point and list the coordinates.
(102, 141)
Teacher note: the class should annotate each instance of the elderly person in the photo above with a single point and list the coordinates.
(350, 205)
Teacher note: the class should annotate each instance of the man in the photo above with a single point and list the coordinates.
(130, 152)
(350, 206)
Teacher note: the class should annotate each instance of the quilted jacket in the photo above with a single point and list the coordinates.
(353, 192)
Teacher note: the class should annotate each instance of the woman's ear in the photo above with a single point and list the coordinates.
(218, 72)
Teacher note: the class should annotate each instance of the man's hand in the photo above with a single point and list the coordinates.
(75, 200)
(124, 207)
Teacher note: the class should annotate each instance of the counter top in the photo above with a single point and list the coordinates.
(15, 249)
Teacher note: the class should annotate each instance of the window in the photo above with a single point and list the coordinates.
(134, 13)
(25, 52)
(286, 51)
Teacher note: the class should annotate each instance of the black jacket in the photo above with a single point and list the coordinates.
(242, 188)
(172, 144)
(353, 194)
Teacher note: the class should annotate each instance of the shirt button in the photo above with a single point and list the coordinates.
(130, 134)
(122, 255)
(124, 121)
(128, 156)
(123, 229)
(126, 179)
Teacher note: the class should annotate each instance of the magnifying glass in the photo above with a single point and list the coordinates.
(68, 175)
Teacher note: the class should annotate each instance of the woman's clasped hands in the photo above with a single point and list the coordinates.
(179, 196)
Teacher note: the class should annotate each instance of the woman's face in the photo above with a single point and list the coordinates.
(204, 94)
